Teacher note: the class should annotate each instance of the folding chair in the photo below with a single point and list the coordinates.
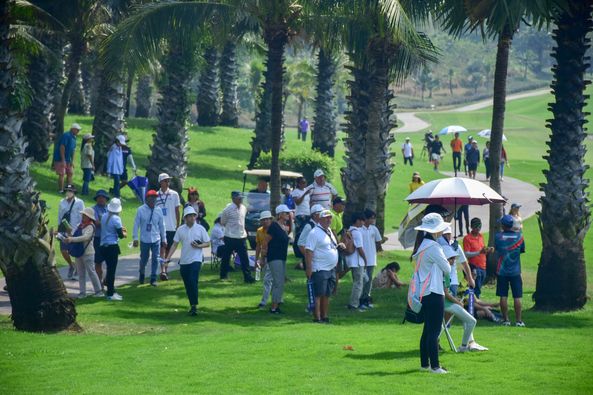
(446, 330)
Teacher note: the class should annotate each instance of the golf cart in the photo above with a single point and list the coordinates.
(257, 202)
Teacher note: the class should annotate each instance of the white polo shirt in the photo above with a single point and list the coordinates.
(322, 194)
(354, 259)
(233, 220)
(75, 216)
(305, 207)
(407, 147)
(168, 202)
(324, 247)
(185, 235)
(371, 236)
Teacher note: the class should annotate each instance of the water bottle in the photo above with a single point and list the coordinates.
(470, 303)
(257, 273)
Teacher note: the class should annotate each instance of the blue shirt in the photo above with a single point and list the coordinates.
(115, 161)
(68, 140)
(289, 201)
(472, 156)
(110, 224)
(99, 211)
(150, 223)
(509, 247)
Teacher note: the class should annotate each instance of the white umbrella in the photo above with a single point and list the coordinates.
(486, 134)
(455, 191)
(452, 129)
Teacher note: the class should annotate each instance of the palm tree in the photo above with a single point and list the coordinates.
(208, 102)
(37, 293)
(262, 135)
(78, 104)
(228, 84)
(143, 96)
(323, 135)
(565, 216)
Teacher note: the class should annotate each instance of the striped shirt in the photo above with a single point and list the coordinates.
(322, 194)
(233, 220)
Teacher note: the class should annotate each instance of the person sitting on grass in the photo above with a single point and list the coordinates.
(387, 277)
(509, 246)
(193, 238)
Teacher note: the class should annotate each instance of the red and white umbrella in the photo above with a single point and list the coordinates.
(455, 191)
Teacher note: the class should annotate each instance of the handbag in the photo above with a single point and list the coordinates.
(413, 317)
(61, 226)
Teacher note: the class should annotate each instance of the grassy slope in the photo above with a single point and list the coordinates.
(148, 343)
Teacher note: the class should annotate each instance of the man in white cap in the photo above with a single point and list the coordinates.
(321, 256)
(322, 192)
(408, 152)
(193, 238)
(168, 202)
(235, 237)
(70, 209)
(63, 160)
(302, 241)
(115, 163)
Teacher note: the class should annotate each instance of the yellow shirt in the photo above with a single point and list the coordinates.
(336, 224)
(415, 185)
(260, 235)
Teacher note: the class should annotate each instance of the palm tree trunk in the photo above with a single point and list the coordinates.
(228, 85)
(499, 98)
(77, 49)
(276, 39)
(78, 103)
(208, 103)
(37, 294)
(109, 117)
(323, 135)
(169, 149)
(129, 83)
(565, 216)
(143, 95)
(370, 121)
(262, 139)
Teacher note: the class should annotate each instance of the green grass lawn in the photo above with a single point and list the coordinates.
(148, 343)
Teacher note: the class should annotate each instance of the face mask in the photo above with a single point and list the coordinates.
(69, 195)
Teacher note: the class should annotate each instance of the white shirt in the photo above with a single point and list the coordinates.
(324, 247)
(371, 236)
(305, 207)
(217, 235)
(407, 147)
(168, 202)
(354, 259)
(185, 235)
(433, 262)
(459, 259)
(321, 194)
(75, 216)
(302, 241)
(233, 220)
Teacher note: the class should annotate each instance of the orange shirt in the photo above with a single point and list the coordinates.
(456, 145)
(473, 243)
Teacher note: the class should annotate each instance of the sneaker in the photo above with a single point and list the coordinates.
(325, 320)
(476, 347)
(81, 296)
(520, 324)
(316, 321)
(506, 323)
(350, 307)
(115, 297)
(362, 307)
(275, 311)
(261, 305)
(99, 294)
(424, 368)
(438, 371)
(164, 276)
(370, 306)
(193, 311)
(70, 273)
(61, 191)
(141, 279)
(463, 349)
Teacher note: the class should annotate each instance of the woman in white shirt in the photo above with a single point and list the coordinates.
(432, 265)
(217, 237)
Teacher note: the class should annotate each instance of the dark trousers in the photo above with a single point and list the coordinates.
(487, 166)
(456, 161)
(433, 307)
(480, 279)
(86, 178)
(111, 255)
(409, 159)
(190, 274)
(116, 178)
(462, 212)
(240, 247)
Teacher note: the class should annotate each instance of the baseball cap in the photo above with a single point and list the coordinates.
(316, 208)
(325, 214)
(189, 210)
(75, 126)
(516, 205)
(121, 138)
(164, 176)
(88, 137)
(507, 221)
(235, 194)
(338, 200)
(70, 187)
(282, 208)
(286, 186)
(265, 215)
(318, 173)
(152, 192)
(407, 138)
(470, 138)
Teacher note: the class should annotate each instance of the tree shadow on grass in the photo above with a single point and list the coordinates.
(213, 172)
(385, 355)
(390, 373)
(221, 152)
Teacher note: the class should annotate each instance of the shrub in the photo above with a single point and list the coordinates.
(305, 162)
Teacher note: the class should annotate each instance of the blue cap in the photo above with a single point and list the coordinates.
(507, 221)
(101, 192)
(235, 194)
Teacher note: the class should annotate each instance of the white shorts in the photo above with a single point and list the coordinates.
(436, 157)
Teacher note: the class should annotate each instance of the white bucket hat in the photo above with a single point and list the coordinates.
(317, 208)
(318, 173)
(114, 206)
(188, 211)
(448, 230)
(282, 208)
(265, 215)
(433, 223)
(164, 176)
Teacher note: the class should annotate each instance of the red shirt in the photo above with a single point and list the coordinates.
(473, 243)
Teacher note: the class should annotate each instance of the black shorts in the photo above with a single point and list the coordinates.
(502, 286)
(472, 166)
(324, 282)
(170, 236)
(98, 250)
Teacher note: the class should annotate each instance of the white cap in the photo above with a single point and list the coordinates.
(189, 210)
(432, 223)
(265, 215)
(121, 138)
(88, 137)
(318, 173)
(282, 208)
(114, 206)
(325, 214)
(164, 176)
(75, 126)
(317, 208)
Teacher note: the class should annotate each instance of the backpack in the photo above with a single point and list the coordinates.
(416, 288)
(348, 242)
(77, 249)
